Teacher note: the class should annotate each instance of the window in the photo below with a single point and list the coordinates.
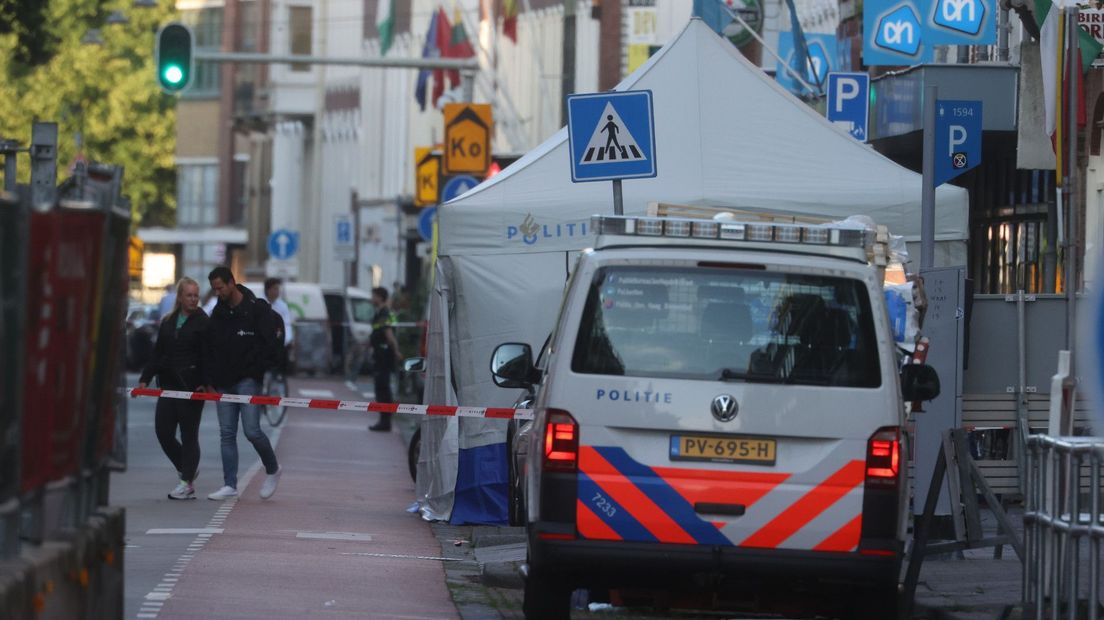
(728, 324)
(206, 27)
(300, 33)
(363, 310)
(197, 194)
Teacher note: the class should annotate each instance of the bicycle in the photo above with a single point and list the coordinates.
(275, 384)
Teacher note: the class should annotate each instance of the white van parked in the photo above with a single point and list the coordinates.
(721, 410)
(321, 315)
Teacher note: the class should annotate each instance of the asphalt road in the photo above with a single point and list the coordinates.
(143, 490)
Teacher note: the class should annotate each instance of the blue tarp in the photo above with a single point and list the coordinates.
(482, 486)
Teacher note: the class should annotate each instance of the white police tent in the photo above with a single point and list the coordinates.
(725, 135)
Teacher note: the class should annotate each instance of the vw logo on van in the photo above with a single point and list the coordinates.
(724, 407)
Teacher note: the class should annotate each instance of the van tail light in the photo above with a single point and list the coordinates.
(883, 457)
(561, 442)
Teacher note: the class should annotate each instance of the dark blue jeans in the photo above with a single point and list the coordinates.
(228, 414)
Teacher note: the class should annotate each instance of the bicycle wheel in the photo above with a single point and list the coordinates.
(277, 386)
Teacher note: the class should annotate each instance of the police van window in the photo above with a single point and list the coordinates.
(728, 325)
(363, 310)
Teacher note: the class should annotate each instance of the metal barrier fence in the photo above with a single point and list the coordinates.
(1062, 524)
(13, 251)
(63, 301)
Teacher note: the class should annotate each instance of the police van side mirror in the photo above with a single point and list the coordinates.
(512, 365)
(414, 364)
(919, 382)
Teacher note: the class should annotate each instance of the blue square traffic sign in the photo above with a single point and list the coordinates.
(849, 102)
(611, 136)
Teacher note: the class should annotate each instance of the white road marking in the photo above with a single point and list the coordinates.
(354, 536)
(202, 531)
(404, 557)
(316, 393)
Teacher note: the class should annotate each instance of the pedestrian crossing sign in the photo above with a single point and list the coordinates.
(611, 136)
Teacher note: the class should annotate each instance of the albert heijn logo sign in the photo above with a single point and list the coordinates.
(898, 32)
(468, 131)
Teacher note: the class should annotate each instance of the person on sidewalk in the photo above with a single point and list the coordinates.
(242, 345)
(385, 354)
(272, 295)
(177, 363)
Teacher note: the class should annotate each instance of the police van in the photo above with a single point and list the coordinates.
(721, 409)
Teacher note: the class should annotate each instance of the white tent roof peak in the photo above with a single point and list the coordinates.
(726, 135)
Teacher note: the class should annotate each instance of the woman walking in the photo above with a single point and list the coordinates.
(177, 363)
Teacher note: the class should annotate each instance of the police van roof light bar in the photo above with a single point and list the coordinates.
(822, 234)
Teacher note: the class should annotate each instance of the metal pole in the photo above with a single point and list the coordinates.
(1002, 35)
(797, 77)
(1021, 387)
(9, 172)
(1072, 208)
(350, 61)
(567, 85)
(618, 202)
(927, 195)
(43, 165)
(467, 85)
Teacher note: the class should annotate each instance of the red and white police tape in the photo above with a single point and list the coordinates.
(500, 413)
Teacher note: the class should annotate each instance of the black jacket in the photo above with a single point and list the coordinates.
(178, 356)
(242, 341)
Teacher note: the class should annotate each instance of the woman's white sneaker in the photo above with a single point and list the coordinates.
(269, 485)
(183, 490)
(224, 493)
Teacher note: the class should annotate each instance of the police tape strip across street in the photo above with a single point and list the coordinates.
(502, 413)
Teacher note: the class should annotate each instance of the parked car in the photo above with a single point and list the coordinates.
(141, 334)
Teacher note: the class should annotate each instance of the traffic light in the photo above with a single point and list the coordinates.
(174, 57)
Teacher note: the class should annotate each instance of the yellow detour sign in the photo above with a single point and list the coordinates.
(468, 128)
(427, 171)
(137, 247)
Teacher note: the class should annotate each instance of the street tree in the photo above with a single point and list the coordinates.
(101, 90)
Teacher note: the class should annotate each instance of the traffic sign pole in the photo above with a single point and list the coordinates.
(618, 201)
(927, 196)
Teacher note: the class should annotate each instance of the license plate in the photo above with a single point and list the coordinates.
(723, 449)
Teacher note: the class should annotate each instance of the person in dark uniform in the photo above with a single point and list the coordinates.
(177, 363)
(385, 354)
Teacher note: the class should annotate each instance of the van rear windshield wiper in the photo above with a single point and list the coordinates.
(731, 374)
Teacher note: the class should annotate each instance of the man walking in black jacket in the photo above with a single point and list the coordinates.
(243, 345)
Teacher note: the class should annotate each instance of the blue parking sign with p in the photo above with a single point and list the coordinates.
(849, 102)
(957, 138)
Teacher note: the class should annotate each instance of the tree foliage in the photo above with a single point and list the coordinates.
(105, 94)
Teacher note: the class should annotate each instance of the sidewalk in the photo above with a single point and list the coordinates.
(333, 542)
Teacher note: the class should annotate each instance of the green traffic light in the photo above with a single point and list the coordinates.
(174, 57)
(173, 74)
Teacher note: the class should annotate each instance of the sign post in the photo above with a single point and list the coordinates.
(283, 244)
(468, 130)
(344, 244)
(427, 170)
(849, 102)
(611, 137)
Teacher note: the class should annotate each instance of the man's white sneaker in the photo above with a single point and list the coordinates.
(269, 485)
(183, 490)
(224, 493)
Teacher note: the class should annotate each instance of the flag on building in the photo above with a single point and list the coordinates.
(444, 39)
(509, 19)
(1051, 46)
(385, 23)
(459, 46)
(429, 50)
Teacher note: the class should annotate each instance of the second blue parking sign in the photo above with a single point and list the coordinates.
(611, 136)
